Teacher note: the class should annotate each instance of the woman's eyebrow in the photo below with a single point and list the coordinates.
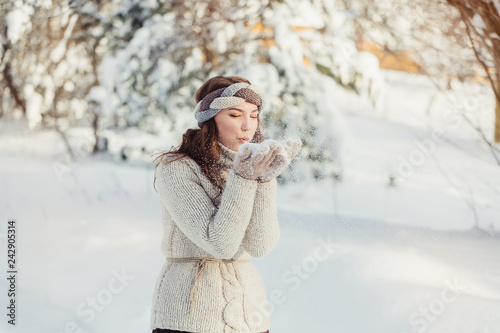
(236, 109)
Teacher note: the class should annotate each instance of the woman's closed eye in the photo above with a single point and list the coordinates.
(236, 116)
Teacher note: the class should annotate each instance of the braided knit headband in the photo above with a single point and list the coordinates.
(227, 97)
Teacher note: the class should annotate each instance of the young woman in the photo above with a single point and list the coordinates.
(218, 209)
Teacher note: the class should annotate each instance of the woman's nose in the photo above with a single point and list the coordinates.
(244, 125)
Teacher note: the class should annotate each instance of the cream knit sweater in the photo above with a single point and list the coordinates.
(229, 296)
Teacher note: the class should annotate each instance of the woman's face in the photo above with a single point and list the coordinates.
(237, 124)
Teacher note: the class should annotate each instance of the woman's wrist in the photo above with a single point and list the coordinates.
(239, 175)
(260, 180)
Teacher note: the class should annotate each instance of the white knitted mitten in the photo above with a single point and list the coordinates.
(281, 162)
(254, 159)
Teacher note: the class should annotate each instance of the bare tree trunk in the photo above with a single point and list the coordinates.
(14, 91)
(1, 107)
(497, 116)
(95, 127)
(485, 43)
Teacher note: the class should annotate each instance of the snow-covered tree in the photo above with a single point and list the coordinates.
(116, 64)
(482, 23)
(298, 51)
(447, 38)
(13, 22)
(430, 31)
(50, 54)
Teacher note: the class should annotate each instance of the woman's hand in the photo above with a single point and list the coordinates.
(255, 159)
(282, 161)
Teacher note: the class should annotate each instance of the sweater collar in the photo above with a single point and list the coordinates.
(227, 156)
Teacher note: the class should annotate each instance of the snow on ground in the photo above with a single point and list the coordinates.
(356, 256)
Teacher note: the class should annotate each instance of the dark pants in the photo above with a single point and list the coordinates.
(162, 330)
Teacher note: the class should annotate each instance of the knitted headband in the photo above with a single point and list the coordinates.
(227, 97)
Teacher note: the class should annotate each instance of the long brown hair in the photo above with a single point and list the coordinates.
(201, 144)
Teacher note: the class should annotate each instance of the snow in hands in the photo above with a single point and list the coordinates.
(278, 154)
(289, 151)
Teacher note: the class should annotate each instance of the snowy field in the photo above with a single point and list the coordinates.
(353, 257)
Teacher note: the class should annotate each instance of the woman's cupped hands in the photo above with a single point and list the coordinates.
(265, 160)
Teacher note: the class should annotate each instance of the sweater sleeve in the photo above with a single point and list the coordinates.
(263, 230)
(216, 231)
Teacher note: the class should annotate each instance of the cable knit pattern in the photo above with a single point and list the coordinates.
(242, 222)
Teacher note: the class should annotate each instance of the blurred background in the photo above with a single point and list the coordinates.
(397, 104)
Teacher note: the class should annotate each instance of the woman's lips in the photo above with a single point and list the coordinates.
(243, 140)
